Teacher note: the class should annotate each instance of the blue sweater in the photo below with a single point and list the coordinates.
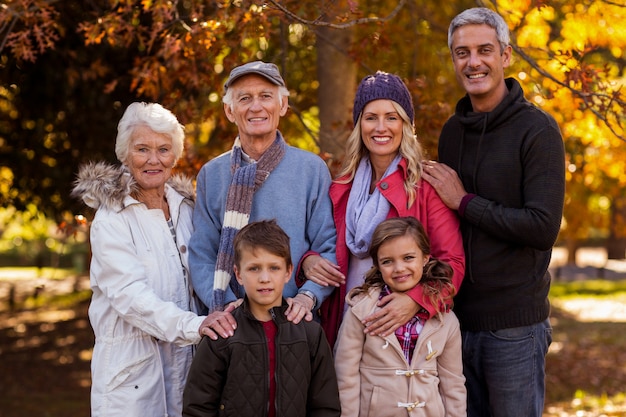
(295, 194)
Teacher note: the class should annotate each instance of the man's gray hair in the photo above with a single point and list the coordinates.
(481, 16)
(228, 96)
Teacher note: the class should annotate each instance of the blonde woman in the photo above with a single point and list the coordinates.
(381, 178)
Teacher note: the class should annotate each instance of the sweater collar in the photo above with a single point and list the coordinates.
(501, 114)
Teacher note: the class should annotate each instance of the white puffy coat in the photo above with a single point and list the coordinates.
(142, 310)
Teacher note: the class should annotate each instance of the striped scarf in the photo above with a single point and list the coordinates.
(246, 180)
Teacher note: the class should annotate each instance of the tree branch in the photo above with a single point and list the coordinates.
(17, 16)
(613, 3)
(587, 98)
(346, 25)
(5, 38)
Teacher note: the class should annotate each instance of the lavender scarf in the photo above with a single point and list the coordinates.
(364, 211)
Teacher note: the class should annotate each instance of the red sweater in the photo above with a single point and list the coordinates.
(440, 222)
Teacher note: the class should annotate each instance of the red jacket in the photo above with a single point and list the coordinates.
(440, 222)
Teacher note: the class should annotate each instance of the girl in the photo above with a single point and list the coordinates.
(418, 370)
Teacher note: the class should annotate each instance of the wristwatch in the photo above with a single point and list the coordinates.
(310, 295)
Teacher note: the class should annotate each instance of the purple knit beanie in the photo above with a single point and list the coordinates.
(382, 85)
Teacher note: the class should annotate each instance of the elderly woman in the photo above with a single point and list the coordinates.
(142, 310)
(381, 178)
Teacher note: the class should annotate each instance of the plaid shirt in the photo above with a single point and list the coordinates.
(408, 333)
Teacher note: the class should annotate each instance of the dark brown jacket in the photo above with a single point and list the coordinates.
(230, 377)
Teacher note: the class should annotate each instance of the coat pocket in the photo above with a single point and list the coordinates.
(129, 370)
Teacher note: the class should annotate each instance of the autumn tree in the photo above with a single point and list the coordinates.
(178, 53)
(68, 69)
(572, 64)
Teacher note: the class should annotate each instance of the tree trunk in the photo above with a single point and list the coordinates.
(572, 246)
(616, 243)
(336, 72)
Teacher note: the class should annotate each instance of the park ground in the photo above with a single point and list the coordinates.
(46, 341)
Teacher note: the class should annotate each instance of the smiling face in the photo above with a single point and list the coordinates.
(381, 131)
(401, 263)
(257, 108)
(479, 65)
(263, 276)
(151, 158)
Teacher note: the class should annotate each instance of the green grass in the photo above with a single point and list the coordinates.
(26, 279)
(25, 272)
(57, 301)
(586, 368)
(589, 288)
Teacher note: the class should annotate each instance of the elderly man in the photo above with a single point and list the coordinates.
(261, 178)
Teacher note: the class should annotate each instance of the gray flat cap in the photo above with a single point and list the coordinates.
(265, 69)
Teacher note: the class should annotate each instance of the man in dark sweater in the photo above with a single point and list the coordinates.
(502, 167)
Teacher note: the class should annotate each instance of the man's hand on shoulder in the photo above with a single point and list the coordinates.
(445, 181)
(300, 307)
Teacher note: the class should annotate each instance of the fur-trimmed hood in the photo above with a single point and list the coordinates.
(103, 185)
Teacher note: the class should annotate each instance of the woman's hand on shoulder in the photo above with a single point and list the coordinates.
(397, 309)
(322, 272)
(220, 323)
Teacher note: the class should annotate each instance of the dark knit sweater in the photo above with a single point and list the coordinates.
(512, 159)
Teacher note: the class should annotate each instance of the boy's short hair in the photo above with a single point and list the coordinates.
(265, 234)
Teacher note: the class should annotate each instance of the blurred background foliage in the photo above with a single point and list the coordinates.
(69, 69)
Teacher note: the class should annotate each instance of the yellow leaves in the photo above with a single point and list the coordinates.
(6, 180)
(599, 24)
(536, 30)
(93, 33)
(617, 170)
(518, 9)
(616, 51)
(534, 36)
(570, 64)
(206, 34)
(601, 157)
(575, 33)
(598, 154)
(589, 131)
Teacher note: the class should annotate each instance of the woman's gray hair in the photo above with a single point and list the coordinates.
(228, 96)
(481, 16)
(155, 117)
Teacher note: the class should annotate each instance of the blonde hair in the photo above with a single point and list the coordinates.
(410, 149)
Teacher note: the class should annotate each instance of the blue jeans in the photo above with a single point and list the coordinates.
(505, 370)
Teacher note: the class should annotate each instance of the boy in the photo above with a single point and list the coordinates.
(270, 367)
